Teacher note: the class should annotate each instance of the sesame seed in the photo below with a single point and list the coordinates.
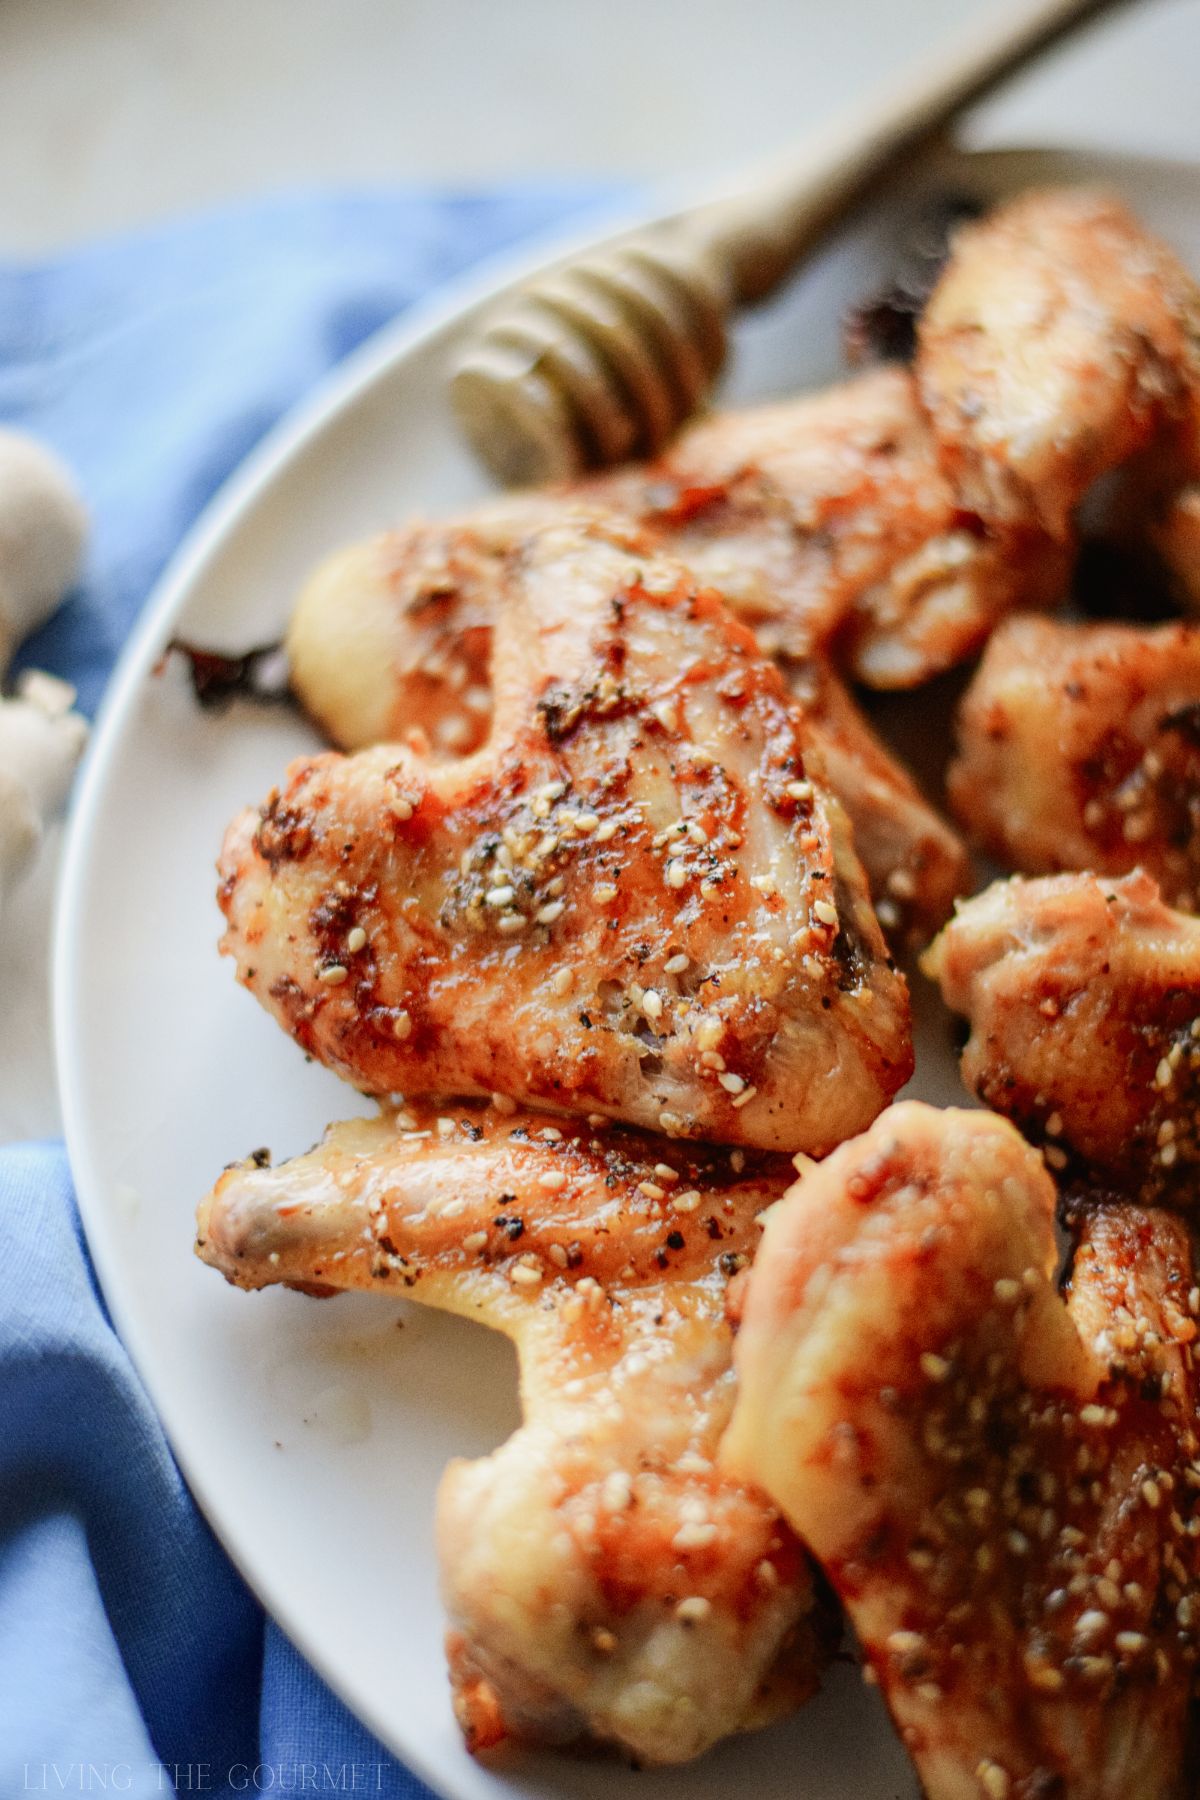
(1007, 1291)
(562, 981)
(1091, 1623)
(512, 922)
(737, 1161)
(693, 1610)
(1130, 1642)
(676, 875)
(1164, 1074)
(670, 1122)
(500, 896)
(402, 1026)
(744, 1098)
(905, 1643)
(652, 1005)
(675, 965)
(477, 1240)
(503, 1104)
(553, 790)
(618, 1491)
(994, 1779)
(799, 790)
(652, 1190)
(445, 1128)
(733, 1084)
(935, 1368)
(665, 1172)
(1151, 1492)
(587, 823)
(606, 831)
(552, 1180)
(1093, 1415)
(603, 1641)
(356, 940)
(764, 883)
(553, 909)
(825, 911)
(558, 1256)
(604, 894)
(694, 1536)
(334, 975)
(525, 1274)
(1056, 1158)
(686, 1202)
(708, 1034)
(1054, 1125)
(1167, 1155)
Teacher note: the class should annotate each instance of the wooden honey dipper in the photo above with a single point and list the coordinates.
(604, 357)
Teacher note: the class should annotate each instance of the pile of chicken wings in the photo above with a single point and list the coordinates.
(604, 893)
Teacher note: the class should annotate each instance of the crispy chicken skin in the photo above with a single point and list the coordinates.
(391, 640)
(603, 1578)
(635, 898)
(1062, 342)
(830, 527)
(1079, 748)
(1001, 1487)
(1083, 997)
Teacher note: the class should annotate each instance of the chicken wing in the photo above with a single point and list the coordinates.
(603, 1579)
(1079, 748)
(1083, 997)
(829, 525)
(1001, 1488)
(1062, 342)
(391, 640)
(635, 899)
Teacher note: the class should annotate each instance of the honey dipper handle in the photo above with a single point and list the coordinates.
(757, 235)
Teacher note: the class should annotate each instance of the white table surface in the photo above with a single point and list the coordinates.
(117, 112)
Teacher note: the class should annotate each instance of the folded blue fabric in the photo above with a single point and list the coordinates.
(132, 1657)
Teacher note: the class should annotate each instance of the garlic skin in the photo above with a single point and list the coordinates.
(41, 740)
(43, 525)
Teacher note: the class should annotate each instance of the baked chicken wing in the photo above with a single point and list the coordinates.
(391, 640)
(1079, 748)
(1001, 1485)
(831, 527)
(1061, 343)
(636, 898)
(1083, 997)
(603, 1578)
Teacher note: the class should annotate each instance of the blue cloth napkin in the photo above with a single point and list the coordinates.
(133, 1659)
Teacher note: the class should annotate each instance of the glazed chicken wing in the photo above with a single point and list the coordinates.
(634, 899)
(391, 640)
(1083, 997)
(1061, 343)
(1001, 1487)
(1079, 748)
(603, 1579)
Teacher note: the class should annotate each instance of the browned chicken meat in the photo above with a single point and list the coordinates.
(636, 898)
(830, 526)
(391, 640)
(1061, 343)
(1083, 997)
(1079, 748)
(603, 1578)
(1002, 1487)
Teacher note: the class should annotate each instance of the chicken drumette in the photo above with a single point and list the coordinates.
(603, 1578)
(1083, 997)
(1000, 1486)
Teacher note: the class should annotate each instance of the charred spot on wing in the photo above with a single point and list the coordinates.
(882, 327)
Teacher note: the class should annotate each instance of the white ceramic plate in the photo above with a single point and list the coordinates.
(314, 1434)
